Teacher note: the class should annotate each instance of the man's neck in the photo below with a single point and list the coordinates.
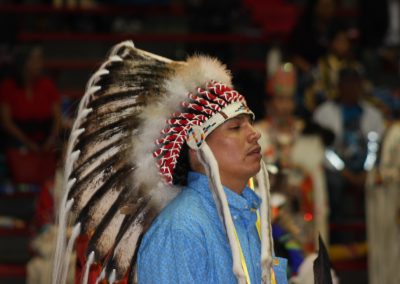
(234, 185)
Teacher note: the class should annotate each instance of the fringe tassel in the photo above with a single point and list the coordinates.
(266, 229)
(207, 158)
(271, 239)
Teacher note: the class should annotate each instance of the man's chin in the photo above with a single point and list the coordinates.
(257, 168)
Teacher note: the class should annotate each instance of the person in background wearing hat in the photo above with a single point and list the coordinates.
(339, 55)
(357, 126)
(294, 158)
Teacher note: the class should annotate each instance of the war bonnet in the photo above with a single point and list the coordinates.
(138, 111)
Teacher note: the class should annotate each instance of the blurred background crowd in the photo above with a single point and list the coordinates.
(322, 76)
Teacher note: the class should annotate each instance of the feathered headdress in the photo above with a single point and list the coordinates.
(138, 111)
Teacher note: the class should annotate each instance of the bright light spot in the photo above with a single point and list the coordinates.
(334, 160)
(288, 67)
(272, 169)
(372, 136)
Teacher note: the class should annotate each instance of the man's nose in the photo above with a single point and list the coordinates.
(254, 134)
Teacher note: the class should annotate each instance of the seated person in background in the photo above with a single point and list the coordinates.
(30, 106)
(295, 157)
(355, 123)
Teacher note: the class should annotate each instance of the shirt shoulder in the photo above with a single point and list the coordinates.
(187, 212)
(327, 111)
(327, 106)
(179, 233)
(370, 109)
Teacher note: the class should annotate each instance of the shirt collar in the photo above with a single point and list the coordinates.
(246, 201)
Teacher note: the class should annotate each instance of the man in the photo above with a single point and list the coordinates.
(383, 211)
(296, 154)
(190, 234)
(355, 124)
(187, 242)
(143, 122)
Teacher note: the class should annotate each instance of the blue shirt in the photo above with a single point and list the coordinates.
(187, 242)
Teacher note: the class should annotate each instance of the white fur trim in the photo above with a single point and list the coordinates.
(200, 70)
(265, 224)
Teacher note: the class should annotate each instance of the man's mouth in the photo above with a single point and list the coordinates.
(255, 150)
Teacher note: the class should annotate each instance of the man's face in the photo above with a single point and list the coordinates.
(283, 106)
(350, 91)
(341, 44)
(236, 149)
(34, 63)
(325, 9)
